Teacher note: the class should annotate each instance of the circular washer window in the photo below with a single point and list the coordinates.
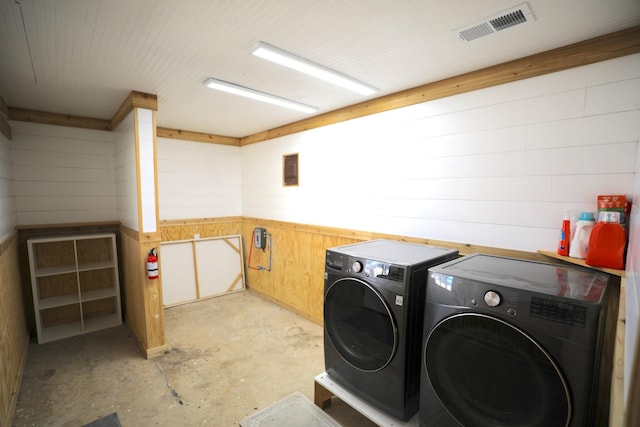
(360, 324)
(487, 372)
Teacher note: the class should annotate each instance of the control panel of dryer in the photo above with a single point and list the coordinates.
(368, 268)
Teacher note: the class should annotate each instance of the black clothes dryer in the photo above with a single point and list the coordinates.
(509, 342)
(373, 315)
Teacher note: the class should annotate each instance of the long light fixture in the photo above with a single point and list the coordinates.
(282, 57)
(257, 95)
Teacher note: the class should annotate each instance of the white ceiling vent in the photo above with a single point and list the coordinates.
(507, 19)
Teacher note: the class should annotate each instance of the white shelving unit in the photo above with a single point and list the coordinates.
(75, 284)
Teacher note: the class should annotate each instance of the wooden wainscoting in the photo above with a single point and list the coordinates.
(13, 330)
(187, 229)
(295, 279)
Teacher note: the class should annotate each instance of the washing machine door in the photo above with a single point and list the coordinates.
(487, 373)
(360, 324)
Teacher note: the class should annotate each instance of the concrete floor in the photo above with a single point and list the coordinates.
(230, 356)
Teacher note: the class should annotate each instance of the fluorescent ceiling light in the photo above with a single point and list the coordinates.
(257, 95)
(282, 57)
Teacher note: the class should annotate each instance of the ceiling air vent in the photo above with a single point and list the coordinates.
(507, 19)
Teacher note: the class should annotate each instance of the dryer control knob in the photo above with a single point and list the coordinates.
(492, 298)
(357, 267)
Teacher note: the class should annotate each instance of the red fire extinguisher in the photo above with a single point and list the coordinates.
(152, 265)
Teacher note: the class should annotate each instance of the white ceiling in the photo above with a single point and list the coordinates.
(83, 57)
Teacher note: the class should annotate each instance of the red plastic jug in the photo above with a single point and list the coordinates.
(607, 242)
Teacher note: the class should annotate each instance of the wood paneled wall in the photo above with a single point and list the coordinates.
(205, 227)
(14, 338)
(143, 297)
(296, 278)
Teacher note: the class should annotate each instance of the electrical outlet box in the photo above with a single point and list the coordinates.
(260, 238)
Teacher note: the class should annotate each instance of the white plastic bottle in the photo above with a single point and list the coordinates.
(580, 242)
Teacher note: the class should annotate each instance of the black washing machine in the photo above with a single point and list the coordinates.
(373, 315)
(510, 342)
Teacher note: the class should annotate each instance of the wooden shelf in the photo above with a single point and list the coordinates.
(576, 261)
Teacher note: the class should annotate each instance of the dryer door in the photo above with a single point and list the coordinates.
(486, 372)
(360, 324)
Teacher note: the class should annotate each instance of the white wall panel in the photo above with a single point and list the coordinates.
(555, 106)
(125, 174)
(490, 141)
(198, 180)
(592, 130)
(146, 162)
(576, 189)
(494, 167)
(633, 284)
(615, 96)
(26, 174)
(62, 174)
(620, 69)
(7, 197)
(65, 161)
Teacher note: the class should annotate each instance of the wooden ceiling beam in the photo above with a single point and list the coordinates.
(5, 129)
(134, 100)
(4, 110)
(43, 117)
(197, 136)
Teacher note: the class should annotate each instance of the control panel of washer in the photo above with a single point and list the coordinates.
(483, 295)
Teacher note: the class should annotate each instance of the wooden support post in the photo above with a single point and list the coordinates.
(321, 396)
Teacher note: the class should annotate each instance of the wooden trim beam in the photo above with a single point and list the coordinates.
(134, 100)
(5, 128)
(197, 136)
(4, 110)
(610, 46)
(33, 116)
